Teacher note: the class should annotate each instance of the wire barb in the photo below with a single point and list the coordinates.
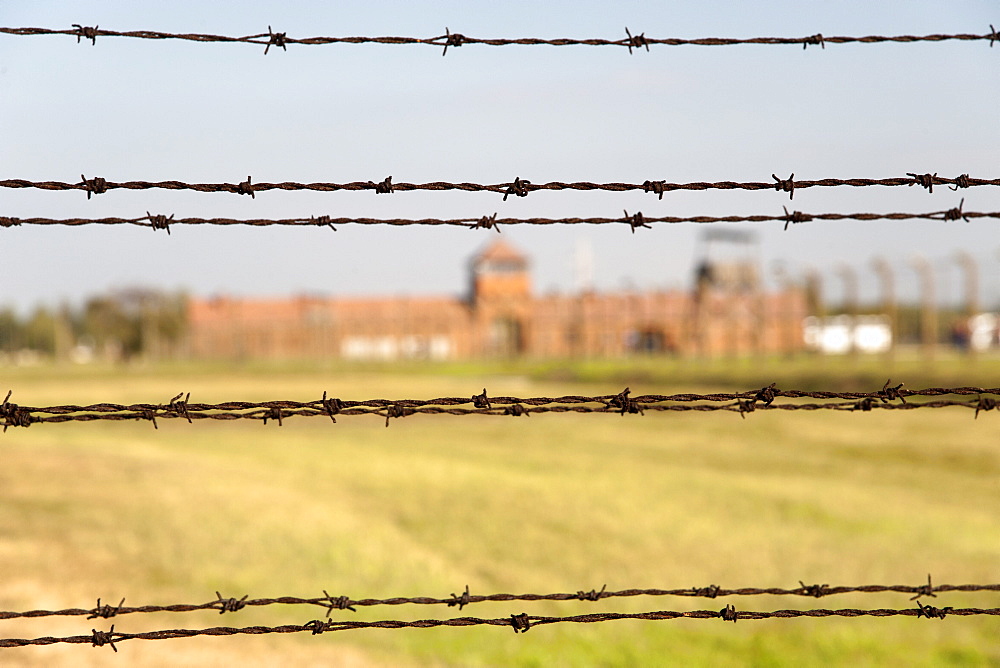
(924, 180)
(322, 220)
(887, 394)
(930, 612)
(332, 406)
(638, 41)
(13, 415)
(795, 217)
(711, 591)
(317, 626)
(816, 39)
(460, 601)
(452, 39)
(481, 400)
(94, 186)
(102, 638)
(787, 185)
(656, 187)
(635, 220)
(815, 590)
(518, 187)
(955, 213)
(106, 611)
(925, 590)
(246, 188)
(336, 603)
(985, 404)
(180, 406)
(625, 405)
(159, 222)
(520, 622)
(86, 32)
(728, 613)
(275, 39)
(486, 223)
(230, 604)
(592, 595)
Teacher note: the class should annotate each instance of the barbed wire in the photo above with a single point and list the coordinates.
(332, 603)
(449, 39)
(520, 623)
(518, 187)
(14, 415)
(634, 221)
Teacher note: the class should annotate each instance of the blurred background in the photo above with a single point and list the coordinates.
(555, 503)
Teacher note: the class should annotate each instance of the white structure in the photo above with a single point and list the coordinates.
(984, 330)
(840, 334)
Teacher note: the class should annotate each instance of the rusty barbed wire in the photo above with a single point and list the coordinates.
(164, 222)
(518, 187)
(331, 603)
(14, 415)
(449, 39)
(520, 623)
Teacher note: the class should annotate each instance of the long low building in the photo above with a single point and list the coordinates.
(726, 314)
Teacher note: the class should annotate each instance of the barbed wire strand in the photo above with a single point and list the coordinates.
(630, 41)
(635, 220)
(520, 623)
(14, 415)
(331, 603)
(518, 187)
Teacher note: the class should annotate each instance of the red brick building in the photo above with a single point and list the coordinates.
(501, 316)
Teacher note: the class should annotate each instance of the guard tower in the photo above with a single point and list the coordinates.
(500, 299)
(728, 263)
(727, 309)
(499, 274)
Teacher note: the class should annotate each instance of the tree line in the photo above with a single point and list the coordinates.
(116, 326)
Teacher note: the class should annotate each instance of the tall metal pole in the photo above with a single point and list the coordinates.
(889, 305)
(970, 267)
(928, 306)
(850, 278)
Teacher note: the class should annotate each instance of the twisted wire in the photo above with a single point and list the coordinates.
(162, 221)
(15, 415)
(520, 623)
(332, 603)
(449, 39)
(519, 187)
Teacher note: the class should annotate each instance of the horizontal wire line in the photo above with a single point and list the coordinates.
(332, 603)
(520, 623)
(633, 220)
(14, 415)
(449, 39)
(518, 187)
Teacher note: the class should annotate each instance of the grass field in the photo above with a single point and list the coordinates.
(549, 503)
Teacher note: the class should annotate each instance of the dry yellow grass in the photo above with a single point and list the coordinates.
(540, 504)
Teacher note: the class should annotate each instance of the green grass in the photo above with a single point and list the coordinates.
(541, 504)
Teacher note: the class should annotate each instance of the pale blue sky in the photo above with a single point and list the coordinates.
(148, 110)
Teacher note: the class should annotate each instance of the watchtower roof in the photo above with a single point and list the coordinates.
(499, 251)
